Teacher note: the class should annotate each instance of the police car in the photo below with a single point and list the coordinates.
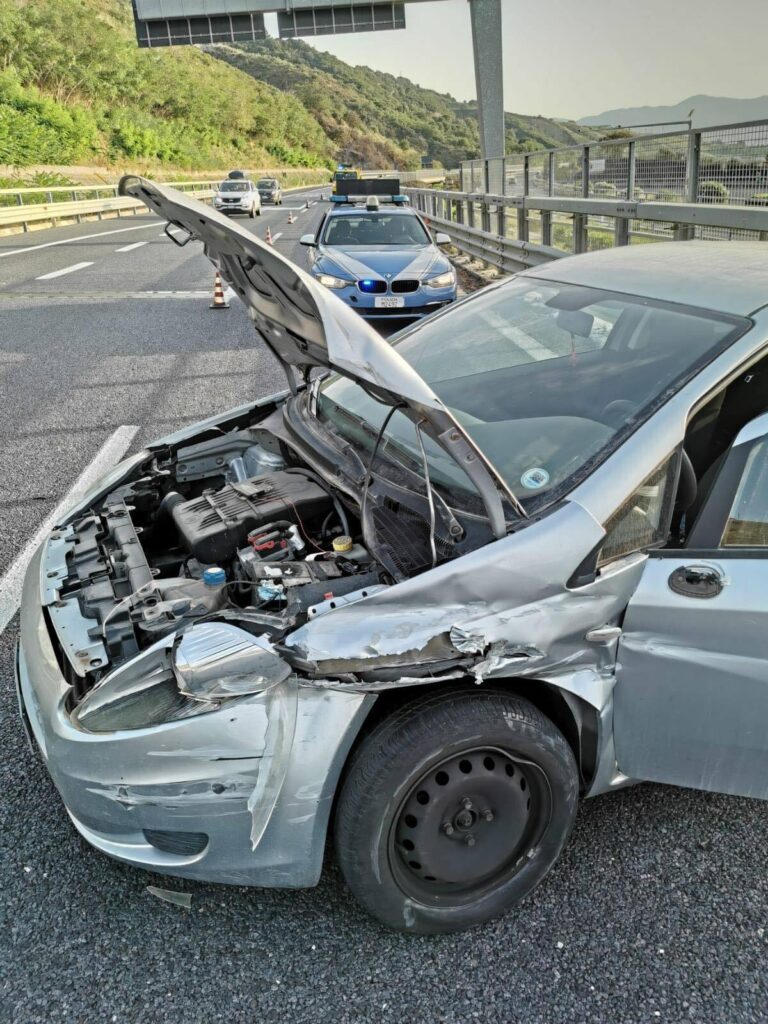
(380, 258)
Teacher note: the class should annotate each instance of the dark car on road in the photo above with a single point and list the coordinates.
(270, 191)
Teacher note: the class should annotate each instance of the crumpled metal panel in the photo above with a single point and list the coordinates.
(508, 603)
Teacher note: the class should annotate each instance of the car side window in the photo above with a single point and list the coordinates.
(643, 520)
(747, 523)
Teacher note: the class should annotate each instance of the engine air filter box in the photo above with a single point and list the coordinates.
(215, 525)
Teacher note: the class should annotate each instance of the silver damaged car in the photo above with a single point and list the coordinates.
(429, 597)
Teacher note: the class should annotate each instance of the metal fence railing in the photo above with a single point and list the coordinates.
(515, 232)
(722, 164)
(709, 183)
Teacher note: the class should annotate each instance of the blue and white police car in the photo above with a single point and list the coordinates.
(381, 260)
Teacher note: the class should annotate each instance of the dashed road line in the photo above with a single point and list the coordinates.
(132, 246)
(63, 271)
(78, 238)
(11, 583)
(277, 234)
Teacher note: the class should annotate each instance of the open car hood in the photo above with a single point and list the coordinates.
(305, 325)
(301, 321)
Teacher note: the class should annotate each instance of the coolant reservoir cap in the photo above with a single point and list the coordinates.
(213, 576)
(342, 543)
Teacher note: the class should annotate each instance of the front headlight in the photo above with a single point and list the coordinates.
(445, 280)
(216, 201)
(176, 679)
(333, 282)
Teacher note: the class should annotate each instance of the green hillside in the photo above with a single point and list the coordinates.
(378, 119)
(75, 89)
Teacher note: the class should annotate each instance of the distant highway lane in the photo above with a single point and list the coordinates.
(656, 913)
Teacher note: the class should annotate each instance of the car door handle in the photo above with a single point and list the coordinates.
(700, 581)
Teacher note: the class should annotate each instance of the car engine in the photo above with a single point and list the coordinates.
(198, 535)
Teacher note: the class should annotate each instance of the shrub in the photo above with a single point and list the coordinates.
(713, 192)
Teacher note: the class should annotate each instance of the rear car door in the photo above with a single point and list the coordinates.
(691, 699)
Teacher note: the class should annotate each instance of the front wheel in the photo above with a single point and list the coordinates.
(453, 808)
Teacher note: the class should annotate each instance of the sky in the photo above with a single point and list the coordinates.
(573, 58)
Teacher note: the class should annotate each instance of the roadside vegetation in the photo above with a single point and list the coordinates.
(380, 120)
(75, 89)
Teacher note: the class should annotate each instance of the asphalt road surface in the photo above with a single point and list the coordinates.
(657, 911)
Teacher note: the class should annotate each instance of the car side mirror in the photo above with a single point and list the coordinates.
(442, 239)
(307, 240)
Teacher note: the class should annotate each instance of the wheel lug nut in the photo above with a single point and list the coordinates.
(487, 815)
(466, 803)
(448, 828)
(470, 840)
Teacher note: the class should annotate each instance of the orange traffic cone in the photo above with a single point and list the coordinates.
(291, 218)
(219, 302)
(268, 236)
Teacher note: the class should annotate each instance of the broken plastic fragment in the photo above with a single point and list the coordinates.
(179, 899)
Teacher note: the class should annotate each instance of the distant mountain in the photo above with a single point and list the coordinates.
(707, 110)
(381, 120)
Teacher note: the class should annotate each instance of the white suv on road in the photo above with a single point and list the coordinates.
(238, 195)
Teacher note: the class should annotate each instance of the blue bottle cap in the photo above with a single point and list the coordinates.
(213, 576)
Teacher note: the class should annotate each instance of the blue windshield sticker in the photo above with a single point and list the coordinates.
(535, 478)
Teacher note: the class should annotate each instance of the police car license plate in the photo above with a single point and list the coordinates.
(389, 301)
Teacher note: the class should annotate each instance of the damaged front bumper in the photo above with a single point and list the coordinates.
(239, 795)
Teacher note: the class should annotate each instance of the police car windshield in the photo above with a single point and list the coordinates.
(375, 229)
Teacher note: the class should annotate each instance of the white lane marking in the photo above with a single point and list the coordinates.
(78, 238)
(131, 247)
(277, 234)
(529, 345)
(11, 583)
(63, 271)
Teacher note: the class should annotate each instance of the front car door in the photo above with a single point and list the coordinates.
(691, 698)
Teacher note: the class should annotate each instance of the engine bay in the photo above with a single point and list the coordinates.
(197, 536)
(234, 527)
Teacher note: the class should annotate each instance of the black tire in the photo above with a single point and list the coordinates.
(252, 213)
(489, 765)
(258, 212)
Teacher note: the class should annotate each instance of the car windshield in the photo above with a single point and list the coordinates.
(234, 186)
(547, 378)
(267, 183)
(375, 229)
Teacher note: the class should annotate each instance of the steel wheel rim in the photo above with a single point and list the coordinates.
(466, 826)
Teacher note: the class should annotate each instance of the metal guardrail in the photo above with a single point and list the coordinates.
(21, 214)
(73, 204)
(515, 232)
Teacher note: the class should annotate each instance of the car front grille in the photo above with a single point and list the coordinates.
(404, 285)
(372, 287)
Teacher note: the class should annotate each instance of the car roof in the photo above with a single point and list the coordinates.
(730, 277)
